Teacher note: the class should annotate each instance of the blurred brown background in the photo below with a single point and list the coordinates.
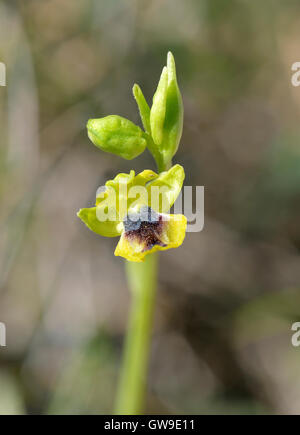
(228, 297)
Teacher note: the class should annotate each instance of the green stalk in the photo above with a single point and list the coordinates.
(142, 280)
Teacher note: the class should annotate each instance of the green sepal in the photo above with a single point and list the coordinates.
(107, 228)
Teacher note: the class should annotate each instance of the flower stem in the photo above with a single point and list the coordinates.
(142, 280)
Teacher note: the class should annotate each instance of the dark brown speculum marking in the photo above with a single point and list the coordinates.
(145, 227)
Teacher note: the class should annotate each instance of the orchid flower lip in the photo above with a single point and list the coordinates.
(145, 227)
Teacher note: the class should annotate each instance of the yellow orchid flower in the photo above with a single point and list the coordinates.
(134, 207)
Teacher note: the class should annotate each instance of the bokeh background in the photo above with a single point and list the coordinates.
(228, 297)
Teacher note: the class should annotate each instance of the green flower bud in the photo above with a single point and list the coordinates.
(166, 115)
(117, 135)
(158, 110)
